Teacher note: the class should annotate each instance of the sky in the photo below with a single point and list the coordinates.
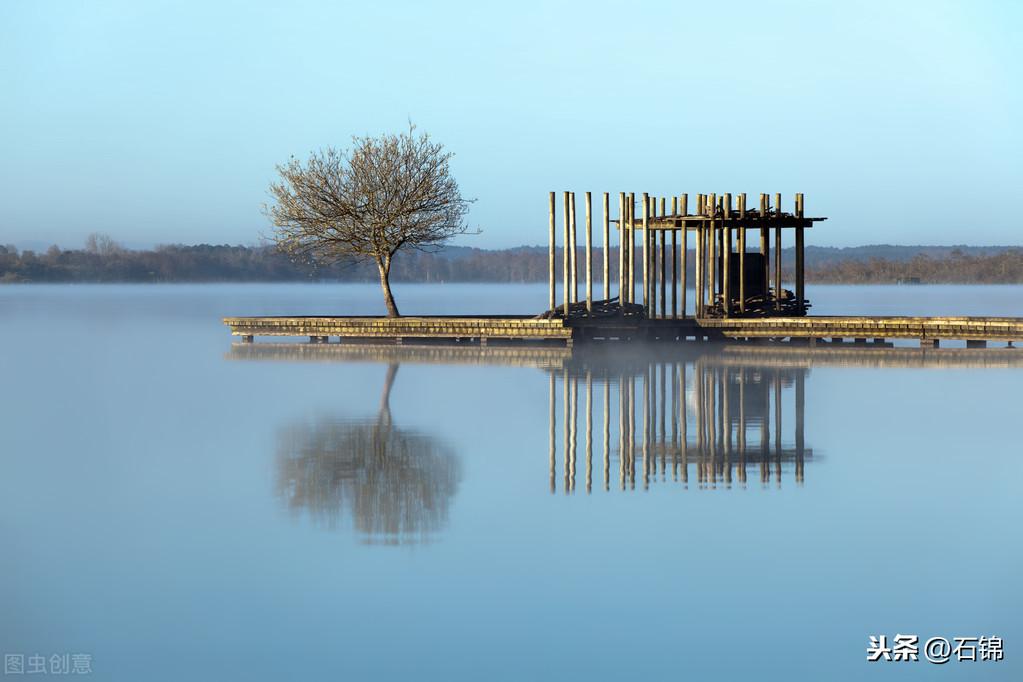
(162, 122)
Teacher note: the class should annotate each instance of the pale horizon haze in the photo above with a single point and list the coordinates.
(162, 122)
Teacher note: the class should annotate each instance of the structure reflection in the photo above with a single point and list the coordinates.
(706, 419)
(395, 484)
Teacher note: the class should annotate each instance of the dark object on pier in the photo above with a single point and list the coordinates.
(605, 308)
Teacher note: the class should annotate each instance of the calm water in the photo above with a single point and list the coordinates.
(180, 508)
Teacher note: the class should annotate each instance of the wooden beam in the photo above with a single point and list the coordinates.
(551, 264)
(646, 252)
(800, 261)
(742, 253)
(713, 252)
(631, 264)
(661, 276)
(574, 253)
(564, 259)
(726, 261)
(674, 263)
(698, 282)
(765, 246)
(777, 255)
(589, 254)
(622, 231)
(683, 209)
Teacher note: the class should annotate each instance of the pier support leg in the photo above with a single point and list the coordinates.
(800, 260)
(777, 256)
(928, 343)
(684, 254)
(551, 263)
(565, 259)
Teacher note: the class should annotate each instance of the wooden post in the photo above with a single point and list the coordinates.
(777, 254)
(646, 253)
(574, 253)
(684, 255)
(800, 261)
(651, 267)
(698, 263)
(674, 262)
(565, 261)
(550, 255)
(631, 265)
(589, 255)
(662, 298)
(713, 251)
(621, 248)
(765, 247)
(607, 246)
(742, 253)
(726, 261)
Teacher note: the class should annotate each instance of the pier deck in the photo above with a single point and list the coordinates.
(976, 331)
(400, 329)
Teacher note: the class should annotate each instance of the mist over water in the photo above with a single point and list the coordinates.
(181, 507)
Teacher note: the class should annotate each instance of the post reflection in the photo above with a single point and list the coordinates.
(703, 420)
(395, 485)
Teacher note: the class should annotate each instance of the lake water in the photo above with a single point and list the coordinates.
(179, 508)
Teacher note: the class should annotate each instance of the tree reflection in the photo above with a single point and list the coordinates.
(395, 484)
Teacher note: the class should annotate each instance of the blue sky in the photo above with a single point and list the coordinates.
(161, 122)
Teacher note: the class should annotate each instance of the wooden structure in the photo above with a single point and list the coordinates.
(730, 278)
(928, 331)
(399, 329)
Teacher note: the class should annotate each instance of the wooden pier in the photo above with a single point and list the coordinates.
(736, 284)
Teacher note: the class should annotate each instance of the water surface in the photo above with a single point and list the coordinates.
(182, 508)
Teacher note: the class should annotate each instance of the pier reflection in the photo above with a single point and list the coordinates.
(707, 420)
(395, 484)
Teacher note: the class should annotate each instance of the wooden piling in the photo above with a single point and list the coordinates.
(765, 248)
(573, 253)
(800, 261)
(607, 245)
(632, 248)
(777, 255)
(565, 260)
(684, 255)
(698, 264)
(662, 275)
(674, 263)
(742, 253)
(589, 255)
(550, 256)
(726, 261)
(646, 252)
(621, 248)
(714, 252)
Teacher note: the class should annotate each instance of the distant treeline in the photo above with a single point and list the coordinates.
(102, 260)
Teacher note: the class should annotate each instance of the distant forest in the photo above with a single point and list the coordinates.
(103, 260)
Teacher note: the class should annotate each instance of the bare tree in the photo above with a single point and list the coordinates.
(367, 203)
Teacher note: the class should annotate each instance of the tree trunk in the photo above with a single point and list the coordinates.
(384, 266)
